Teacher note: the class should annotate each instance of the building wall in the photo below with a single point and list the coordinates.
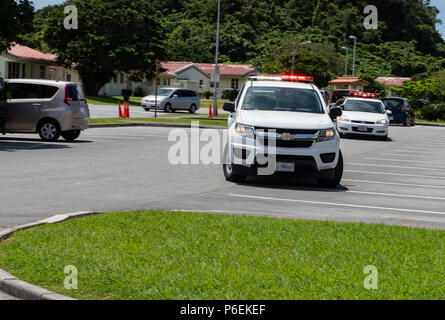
(191, 79)
(33, 71)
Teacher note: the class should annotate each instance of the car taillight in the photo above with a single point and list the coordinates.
(67, 96)
(84, 93)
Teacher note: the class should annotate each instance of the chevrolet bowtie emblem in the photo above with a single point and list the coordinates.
(286, 136)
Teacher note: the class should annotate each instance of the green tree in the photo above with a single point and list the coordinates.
(423, 89)
(16, 18)
(113, 36)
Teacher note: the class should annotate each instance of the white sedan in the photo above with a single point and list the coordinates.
(364, 117)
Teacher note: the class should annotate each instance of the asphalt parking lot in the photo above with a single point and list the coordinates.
(401, 181)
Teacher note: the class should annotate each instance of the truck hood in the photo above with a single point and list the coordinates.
(285, 120)
(364, 116)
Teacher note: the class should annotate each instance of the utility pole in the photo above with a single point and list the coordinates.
(347, 58)
(355, 47)
(216, 72)
(158, 68)
(294, 48)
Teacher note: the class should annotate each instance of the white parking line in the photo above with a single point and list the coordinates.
(414, 152)
(396, 167)
(397, 174)
(411, 156)
(420, 148)
(396, 195)
(400, 160)
(336, 204)
(396, 184)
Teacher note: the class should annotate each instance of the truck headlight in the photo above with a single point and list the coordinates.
(344, 118)
(326, 135)
(382, 121)
(245, 131)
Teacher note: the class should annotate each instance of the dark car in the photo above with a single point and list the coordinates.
(402, 110)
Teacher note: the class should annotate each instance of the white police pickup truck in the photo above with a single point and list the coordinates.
(281, 125)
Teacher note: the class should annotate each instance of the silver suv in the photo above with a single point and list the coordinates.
(172, 99)
(49, 108)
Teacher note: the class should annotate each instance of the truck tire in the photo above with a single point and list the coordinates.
(231, 175)
(335, 180)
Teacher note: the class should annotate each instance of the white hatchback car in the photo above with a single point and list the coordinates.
(364, 117)
(286, 124)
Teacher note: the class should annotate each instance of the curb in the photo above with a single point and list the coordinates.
(24, 290)
(150, 124)
(430, 124)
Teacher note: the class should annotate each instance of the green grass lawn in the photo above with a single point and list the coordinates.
(135, 101)
(179, 255)
(111, 101)
(222, 123)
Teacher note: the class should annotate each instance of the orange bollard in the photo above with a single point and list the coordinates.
(128, 109)
(120, 110)
(210, 111)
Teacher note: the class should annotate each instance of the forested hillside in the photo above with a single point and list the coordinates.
(262, 32)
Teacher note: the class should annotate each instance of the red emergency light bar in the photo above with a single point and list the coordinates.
(293, 77)
(364, 94)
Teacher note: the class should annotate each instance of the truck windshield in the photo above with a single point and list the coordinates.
(282, 99)
(364, 106)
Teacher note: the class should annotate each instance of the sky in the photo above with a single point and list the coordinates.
(438, 3)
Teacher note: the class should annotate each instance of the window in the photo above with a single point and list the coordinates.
(23, 71)
(166, 81)
(235, 84)
(364, 106)
(201, 83)
(30, 91)
(76, 92)
(13, 70)
(42, 72)
(282, 99)
(68, 77)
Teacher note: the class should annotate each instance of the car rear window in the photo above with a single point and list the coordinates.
(30, 91)
(282, 99)
(76, 92)
(393, 103)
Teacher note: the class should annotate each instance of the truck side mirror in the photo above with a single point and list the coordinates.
(335, 112)
(229, 106)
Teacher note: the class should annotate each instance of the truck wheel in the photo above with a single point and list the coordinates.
(49, 130)
(333, 182)
(71, 135)
(231, 175)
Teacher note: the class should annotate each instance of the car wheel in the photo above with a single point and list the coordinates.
(168, 107)
(192, 108)
(413, 121)
(71, 135)
(49, 131)
(335, 181)
(406, 122)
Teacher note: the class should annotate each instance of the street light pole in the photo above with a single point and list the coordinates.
(347, 58)
(355, 47)
(216, 72)
(294, 48)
